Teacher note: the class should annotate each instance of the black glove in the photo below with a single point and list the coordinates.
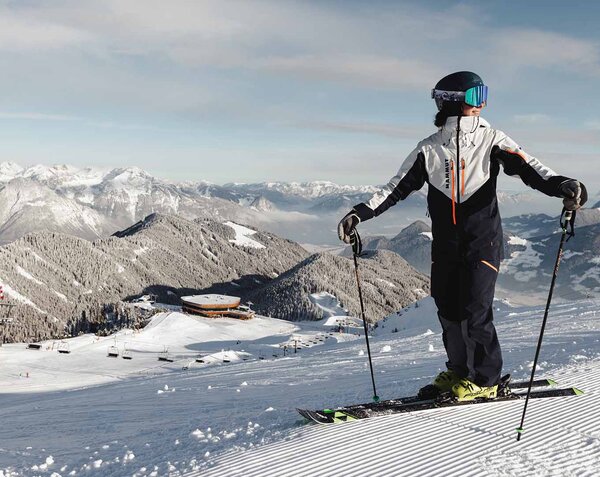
(574, 194)
(347, 225)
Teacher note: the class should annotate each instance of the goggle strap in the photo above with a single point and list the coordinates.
(447, 95)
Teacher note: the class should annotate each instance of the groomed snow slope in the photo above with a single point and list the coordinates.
(238, 419)
(562, 435)
(562, 438)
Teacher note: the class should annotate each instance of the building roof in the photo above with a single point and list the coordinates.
(212, 301)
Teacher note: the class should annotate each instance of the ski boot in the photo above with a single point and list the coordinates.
(442, 383)
(466, 390)
(504, 386)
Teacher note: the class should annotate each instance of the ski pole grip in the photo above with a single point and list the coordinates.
(356, 243)
(567, 221)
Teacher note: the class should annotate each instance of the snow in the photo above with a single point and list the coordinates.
(386, 282)
(316, 188)
(141, 250)
(87, 414)
(242, 236)
(14, 294)
(60, 295)
(185, 336)
(522, 265)
(8, 171)
(429, 235)
(514, 240)
(328, 303)
(212, 299)
(28, 275)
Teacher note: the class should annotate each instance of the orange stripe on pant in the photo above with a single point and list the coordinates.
(489, 265)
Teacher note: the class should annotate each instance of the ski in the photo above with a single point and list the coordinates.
(536, 383)
(411, 404)
(430, 394)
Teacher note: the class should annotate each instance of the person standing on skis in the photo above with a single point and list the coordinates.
(460, 163)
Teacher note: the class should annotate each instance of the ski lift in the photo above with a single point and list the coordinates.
(63, 348)
(165, 356)
(126, 353)
(113, 352)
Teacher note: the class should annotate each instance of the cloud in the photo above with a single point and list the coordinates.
(517, 49)
(394, 46)
(314, 42)
(19, 31)
(378, 129)
(562, 135)
(594, 125)
(369, 71)
(532, 118)
(37, 116)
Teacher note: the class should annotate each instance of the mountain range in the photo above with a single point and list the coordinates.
(93, 203)
(62, 285)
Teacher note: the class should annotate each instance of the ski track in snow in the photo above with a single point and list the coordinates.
(240, 420)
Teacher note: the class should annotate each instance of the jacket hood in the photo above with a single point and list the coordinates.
(468, 126)
(467, 123)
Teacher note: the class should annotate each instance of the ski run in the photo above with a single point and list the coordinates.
(234, 414)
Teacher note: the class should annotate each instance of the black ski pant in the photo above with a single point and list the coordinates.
(464, 293)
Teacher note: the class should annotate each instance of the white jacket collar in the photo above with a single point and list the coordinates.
(468, 124)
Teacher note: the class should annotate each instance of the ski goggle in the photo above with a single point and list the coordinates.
(475, 96)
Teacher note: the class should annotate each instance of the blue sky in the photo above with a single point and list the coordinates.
(247, 91)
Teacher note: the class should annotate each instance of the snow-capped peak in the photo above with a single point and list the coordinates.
(128, 175)
(9, 170)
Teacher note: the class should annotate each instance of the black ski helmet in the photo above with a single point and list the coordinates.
(459, 81)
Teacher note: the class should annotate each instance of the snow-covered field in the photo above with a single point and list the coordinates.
(86, 414)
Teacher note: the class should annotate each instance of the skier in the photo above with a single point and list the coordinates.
(460, 164)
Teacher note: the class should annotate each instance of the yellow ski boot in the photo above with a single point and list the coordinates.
(445, 381)
(442, 383)
(466, 390)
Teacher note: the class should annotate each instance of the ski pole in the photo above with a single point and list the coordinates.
(356, 243)
(568, 217)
